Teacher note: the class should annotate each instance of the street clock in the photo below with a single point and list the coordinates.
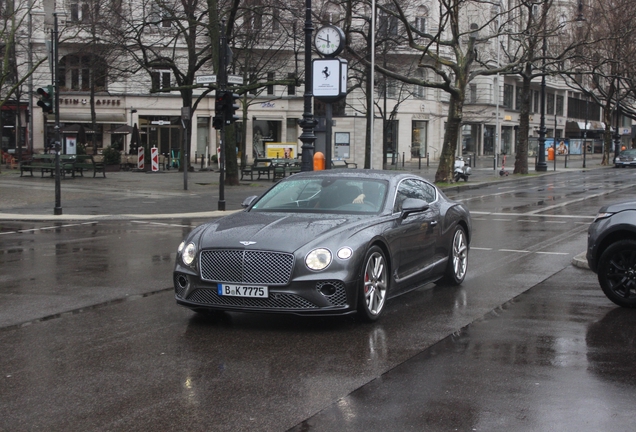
(329, 41)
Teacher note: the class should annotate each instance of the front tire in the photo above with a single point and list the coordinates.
(373, 286)
(617, 273)
(457, 259)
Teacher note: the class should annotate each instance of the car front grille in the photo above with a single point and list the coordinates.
(275, 300)
(246, 267)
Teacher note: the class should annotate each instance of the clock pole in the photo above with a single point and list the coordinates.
(308, 121)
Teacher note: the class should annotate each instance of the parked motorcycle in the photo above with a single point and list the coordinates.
(461, 171)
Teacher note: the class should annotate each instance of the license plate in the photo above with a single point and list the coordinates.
(242, 291)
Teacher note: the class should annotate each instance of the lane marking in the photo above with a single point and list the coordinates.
(46, 228)
(483, 213)
(518, 251)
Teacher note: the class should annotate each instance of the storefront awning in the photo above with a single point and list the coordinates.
(85, 117)
(124, 129)
(579, 126)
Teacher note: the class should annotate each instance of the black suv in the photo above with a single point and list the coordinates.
(611, 251)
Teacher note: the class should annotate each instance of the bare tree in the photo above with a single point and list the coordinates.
(604, 67)
(455, 50)
(14, 69)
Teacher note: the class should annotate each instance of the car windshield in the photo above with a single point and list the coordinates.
(630, 153)
(325, 195)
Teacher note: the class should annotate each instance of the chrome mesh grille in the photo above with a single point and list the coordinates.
(246, 267)
(275, 300)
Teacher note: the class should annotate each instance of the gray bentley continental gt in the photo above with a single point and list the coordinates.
(326, 243)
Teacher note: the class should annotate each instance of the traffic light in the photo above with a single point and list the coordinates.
(46, 99)
(225, 109)
(230, 107)
(219, 108)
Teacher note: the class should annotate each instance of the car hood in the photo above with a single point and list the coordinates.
(618, 207)
(282, 232)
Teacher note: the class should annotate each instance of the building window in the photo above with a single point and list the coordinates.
(160, 80)
(81, 10)
(419, 91)
(254, 15)
(421, 19)
(75, 73)
(518, 100)
(330, 18)
(388, 24)
(550, 108)
(270, 87)
(536, 101)
(291, 89)
(508, 95)
(559, 105)
(160, 16)
(391, 89)
(276, 20)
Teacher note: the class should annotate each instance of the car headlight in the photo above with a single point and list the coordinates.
(188, 254)
(318, 259)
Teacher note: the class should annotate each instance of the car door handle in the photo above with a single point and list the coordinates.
(433, 223)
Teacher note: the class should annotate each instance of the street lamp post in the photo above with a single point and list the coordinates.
(57, 210)
(308, 121)
(541, 164)
(617, 135)
(585, 132)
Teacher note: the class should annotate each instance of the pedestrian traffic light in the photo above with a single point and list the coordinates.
(230, 107)
(46, 99)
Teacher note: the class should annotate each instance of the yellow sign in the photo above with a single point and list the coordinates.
(286, 150)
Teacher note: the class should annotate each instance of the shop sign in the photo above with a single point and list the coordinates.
(98, 102)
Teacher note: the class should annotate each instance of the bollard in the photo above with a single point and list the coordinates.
(403, 156)
(566, 161)
(427, 159)
(319, 161)
(419, 163)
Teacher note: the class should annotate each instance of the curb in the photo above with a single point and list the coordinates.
(580, 261)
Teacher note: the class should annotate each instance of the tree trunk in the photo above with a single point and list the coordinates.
(447, 159)
(370, 106)
(521, 156)
(607, 136)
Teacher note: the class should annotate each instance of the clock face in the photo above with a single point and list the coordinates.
(329, 41)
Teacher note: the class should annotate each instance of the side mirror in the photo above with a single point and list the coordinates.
(413, 205)
(248, 201)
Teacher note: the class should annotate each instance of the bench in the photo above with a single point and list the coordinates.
(284, 167)
(343, 164)
(46, 163)
(87, 162)
(127, 162)
(260, 167)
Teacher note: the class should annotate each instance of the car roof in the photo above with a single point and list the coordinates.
(358, 173)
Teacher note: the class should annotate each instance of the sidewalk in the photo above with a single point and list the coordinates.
(161, 195)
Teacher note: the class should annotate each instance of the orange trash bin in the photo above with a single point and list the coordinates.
(551, 153)
(319, 161)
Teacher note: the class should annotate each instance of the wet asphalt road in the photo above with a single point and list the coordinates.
(528, 342)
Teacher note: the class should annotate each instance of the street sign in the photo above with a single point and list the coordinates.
(206, 79)
(234, 79)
